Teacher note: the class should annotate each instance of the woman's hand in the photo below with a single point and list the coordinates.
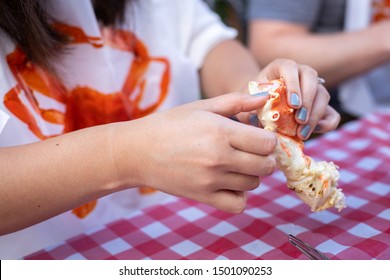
(197, 151)
(305, 94)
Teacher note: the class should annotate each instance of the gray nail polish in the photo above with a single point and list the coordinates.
(234, 118)
(317, 128)
(263, 93)
(305, 131)
(302, 114)
(254, 120)
(294, 99)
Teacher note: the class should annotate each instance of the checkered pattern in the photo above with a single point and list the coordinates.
(185, 229)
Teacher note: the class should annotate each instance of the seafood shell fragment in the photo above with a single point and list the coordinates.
(315, 183)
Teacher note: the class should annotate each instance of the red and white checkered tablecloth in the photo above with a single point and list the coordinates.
(185, 229)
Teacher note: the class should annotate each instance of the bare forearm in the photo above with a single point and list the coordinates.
(336, 56)
(43, 179)
(227, 68)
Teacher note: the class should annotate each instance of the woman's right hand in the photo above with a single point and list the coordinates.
(197, 151)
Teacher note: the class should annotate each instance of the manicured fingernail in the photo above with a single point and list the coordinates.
(234, 118)
(294, 99)
(302, 114)
(263, 93)
(305, 131)
(253, 120)
(317, 128)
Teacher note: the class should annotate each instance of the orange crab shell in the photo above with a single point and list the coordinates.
(84, 106)
(276, 115)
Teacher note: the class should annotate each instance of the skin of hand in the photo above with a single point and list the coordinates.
(197, 151)
(336, 56)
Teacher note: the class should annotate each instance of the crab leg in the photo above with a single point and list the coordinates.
(315, 183)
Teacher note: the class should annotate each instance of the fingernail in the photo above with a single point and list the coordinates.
(302, 114)
(234, 118)
(317, 128)
(305, 131)
(263, 93)
(294, 99)
(253, 120)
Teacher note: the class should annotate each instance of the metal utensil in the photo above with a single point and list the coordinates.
(311, 252)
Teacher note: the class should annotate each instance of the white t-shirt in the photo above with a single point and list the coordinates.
(364, 93)
(172, 39)
(3, 120)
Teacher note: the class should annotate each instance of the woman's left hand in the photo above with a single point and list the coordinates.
(305, 94)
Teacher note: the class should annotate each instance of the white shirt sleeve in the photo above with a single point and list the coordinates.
(207, 31)
(3, 120)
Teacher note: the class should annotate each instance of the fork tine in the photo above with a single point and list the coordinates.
(306, 249)
(300, 248)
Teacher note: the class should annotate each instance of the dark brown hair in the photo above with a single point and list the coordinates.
(27, 23)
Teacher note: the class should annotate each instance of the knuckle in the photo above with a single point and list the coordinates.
(237, 101)
(325, 93)
(238, 207)
(307, 70)
(288, 63)
(269, 143)
(209, 182)
(308, 100)
(215, 160)
(270, 166)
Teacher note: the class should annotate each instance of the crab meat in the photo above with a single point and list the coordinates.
(315, 183)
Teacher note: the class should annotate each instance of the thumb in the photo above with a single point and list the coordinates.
(231, 104)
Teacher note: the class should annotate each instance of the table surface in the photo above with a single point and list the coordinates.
(184, 229)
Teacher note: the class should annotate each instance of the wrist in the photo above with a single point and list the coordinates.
(122, 154)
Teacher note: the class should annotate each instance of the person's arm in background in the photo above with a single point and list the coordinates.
(336, 56)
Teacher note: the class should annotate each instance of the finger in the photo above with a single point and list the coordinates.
(231, 104)
(318, 110)
(251, 164)
(309, 87)
(289, 71)
(239, 182)
(329, 121)
(252, 139)
(249, 118)
(228, 201)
